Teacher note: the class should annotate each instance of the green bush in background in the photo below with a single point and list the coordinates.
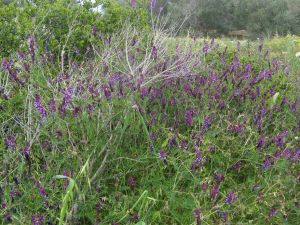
(63, 24)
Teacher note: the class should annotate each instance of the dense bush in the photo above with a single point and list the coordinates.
(145, 133)
(63, 24)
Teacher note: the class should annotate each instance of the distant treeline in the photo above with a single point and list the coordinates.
(220, 17)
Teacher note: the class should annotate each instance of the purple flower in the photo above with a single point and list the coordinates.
(237, 166)
(272, 92)
(135, 217)
(26, 150)
(152, 4)
(189, 117)
(268, 161)
(197, 161)
(197, 215)
(219, 177)
(188, 89)
(21, 54)
(7, 66)
(10, 142)
(272, 212)
(214, 192)
(296, 155)
(144, 91)
(8, 217)
(184, 144)
(66, 100)
(261, 142)
(237, 128)
(162, 155)
(132, 182)
(31, 49)
(107, 92)
(206, 124)
(37, 219)
(205, 48)
(279, 138)
(172, 142)
(94, 30)
(153, 136)
(39, 107)
(173, 101)
(286, 153)
(230, 198)
(52, 105)
(133, 3)
(42, 190)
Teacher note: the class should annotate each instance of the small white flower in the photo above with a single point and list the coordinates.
(298, 54)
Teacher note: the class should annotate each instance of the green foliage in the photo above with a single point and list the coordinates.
(63, 24)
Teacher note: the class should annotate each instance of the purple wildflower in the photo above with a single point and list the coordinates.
(42, 190)
(237, 166)
(153, 136)
(261, 142)
(286, 153)
(162, 155)
(152, 4)
(135, 217)
(268, 161)
(66, 100)
(10, 142)
(197, 161)
(206, 124)
(219, 177)
(172, 142)
(107, 92)
(197, 214)
(205, 48)
(132, 182)
(31, 49)
(52, 105)
(279, 138)
(184, 144)
(21, 54)
(39, 107)
(189, 117)
(144, 91)
(94, 30)
(272, 92)
(230, 198)
(133, 3)
(8, 217)
(188, 89)
(173, 101)
(26, 150)
(272, 212)
(296, 155)
(237, 128)
(37, 219)
(214, 192)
